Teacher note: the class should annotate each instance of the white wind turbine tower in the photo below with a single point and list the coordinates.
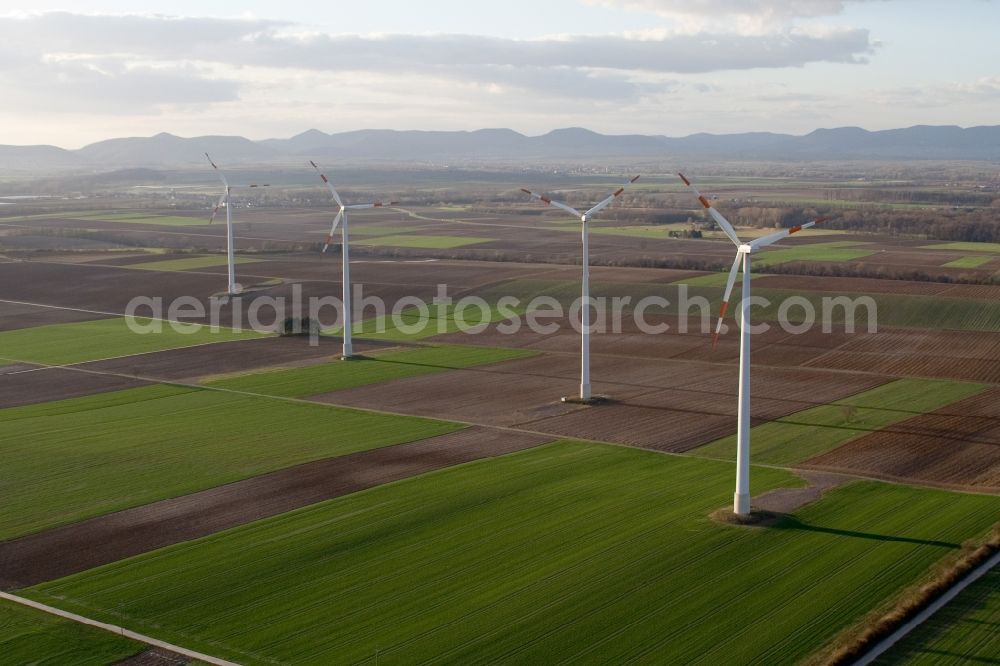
(585, 394)
(345, 247)
(234, 288)
(741, 498)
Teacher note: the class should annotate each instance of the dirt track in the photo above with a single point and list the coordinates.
(59, 552)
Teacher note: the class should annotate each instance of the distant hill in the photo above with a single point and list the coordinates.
(37, 157)
(921, 142)
(169, 149)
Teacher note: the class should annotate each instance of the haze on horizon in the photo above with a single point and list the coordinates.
(74, 73)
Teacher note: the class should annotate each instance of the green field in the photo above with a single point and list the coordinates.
(932, 312)
(711, 280)
(969, 262)
(965, 631)
(67, 460)
(29, 636)
(423, 242)
(386, 366)
(148, 218)
(964, 247)
(408, 325)
(583, 553)
(62, 344)
(802, 435)
(822, 252)
(190, 263)
(381, 230)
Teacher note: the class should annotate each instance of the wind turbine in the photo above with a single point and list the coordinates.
(741, 498)
(585, 394)
(234, 288)
(345, 245)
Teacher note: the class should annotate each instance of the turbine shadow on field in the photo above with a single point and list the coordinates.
(793, 523)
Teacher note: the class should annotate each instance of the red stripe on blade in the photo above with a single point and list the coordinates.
(704, 202)
(686, 181)
(619, 191)
(634, 179)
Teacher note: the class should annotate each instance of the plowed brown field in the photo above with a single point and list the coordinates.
(667, 405)
(964, 355)
(958, 445)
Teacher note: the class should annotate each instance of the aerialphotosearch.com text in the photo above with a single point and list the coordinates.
(507, 315)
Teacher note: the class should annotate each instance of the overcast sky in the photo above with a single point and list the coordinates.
(76, 72)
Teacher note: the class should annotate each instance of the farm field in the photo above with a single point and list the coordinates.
(251, 496)
(802, 435)
(434, 567)
(337, 375)
(126, 448)
(963, 632)
(830, 251)
(958, 444)
(993, 248)
(423, 241)
(191, 263)
(657, 399)
(968, 262)
(889, 309)
(410, 325)
(29, 636)
(145, 218)
(62, 344)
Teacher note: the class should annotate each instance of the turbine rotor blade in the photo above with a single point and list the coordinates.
(764, 241)
(569, 209)
(333, 229)
(374, 204)
(611, 198)
(329, 185)
(215, 210)
(725, 296)
(723, 223)
(222, 176)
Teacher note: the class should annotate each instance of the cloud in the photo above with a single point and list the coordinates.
(63, 62)
(275, 44)
(669, 54)
(979, 91)
(740, 16)
(783, 9)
